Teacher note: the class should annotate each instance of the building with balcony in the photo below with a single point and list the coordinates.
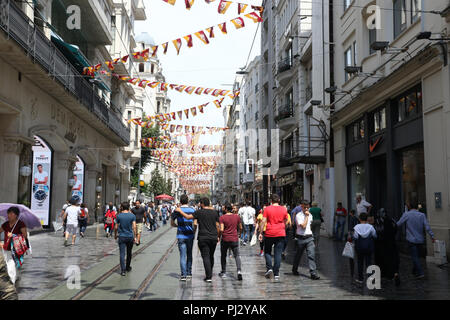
(63, 134)
(392, 104)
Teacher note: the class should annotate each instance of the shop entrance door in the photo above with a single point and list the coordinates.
(378, 181)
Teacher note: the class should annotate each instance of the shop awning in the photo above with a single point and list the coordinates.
(76, 58)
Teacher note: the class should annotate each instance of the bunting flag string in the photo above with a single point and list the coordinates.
(151, 143)
(223, 5)
(145, 54)
(163, 118)
(163, 86)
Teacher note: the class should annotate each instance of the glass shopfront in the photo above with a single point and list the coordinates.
(413, 175)
(357, 182)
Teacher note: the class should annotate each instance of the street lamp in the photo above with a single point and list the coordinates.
(25, 171)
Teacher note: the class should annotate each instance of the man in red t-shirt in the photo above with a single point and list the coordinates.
(229, 224)
(275, 219)
(341, 216)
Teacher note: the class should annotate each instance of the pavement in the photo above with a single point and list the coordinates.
(44, 273)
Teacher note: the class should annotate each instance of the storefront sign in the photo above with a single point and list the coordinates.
(78, 176)
(288, 179)
(41, 185)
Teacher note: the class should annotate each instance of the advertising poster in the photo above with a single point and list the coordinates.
(78, 176)
(41, 184)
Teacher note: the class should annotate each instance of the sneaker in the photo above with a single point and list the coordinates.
(315, 277)
(183, 278)
(189, 277)
(65, 243)
(277, 277)
(207, 280)
(261, 254)
(123, 273)
(129, 269)
(295, 273)
(239, 276)
(82, 234)
(358, 281)
(222, 275)
(269, 274)
(420, 276)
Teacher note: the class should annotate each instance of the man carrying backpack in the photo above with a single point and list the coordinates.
(364, 235)
(83, 219)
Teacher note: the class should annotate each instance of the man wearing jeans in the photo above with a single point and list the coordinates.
(208, 233)
(248, 219)
(185, 236)
(275, 219)
(416, 222)
(126, 226)
(305, 240)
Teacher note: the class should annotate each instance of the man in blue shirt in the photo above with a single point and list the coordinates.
(126, 226)
(416, 222)
(185, 236)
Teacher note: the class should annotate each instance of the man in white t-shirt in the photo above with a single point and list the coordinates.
(248, 220)
(72, 212)
(362, 206)
(305, 240)
(40, 177)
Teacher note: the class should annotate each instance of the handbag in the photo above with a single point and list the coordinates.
(253, 242)
(349, 250)
(11, 267)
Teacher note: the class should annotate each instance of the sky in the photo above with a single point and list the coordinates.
(212, 66)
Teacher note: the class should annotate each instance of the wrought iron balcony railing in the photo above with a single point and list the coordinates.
(284, 112)
(27, 35)
(284, 65)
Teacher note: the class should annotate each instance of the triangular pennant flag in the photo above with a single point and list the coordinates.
(155, 49)
(165, 46)
(177, 43)
(189, 90)
(254, 17)
(223, 27)
(202, 36)
(218, 103)
(180, 115)
(189, 4)
(199, 90)
(180, 88)
(194, 111)
(238, 23)
(186, 112)
(179, 128)
(258, 8)
(164, 86)
(188, 39)
(223, 6)
(172, 2)
(210, 31)
(173, 114)
(242, 7)
(216, 92)
(207, 91)
(186, 128)
(153, 84)
(200, 108)
(172, 128)
(144, 54)
(124, 59)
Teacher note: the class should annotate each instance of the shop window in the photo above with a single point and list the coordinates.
(379, 120)
(141, 67)
(348, 61)
(372, 35)
(357, 131)
(409, 105)
(413, 176)
(357, 182)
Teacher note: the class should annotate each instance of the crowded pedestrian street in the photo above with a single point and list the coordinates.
(202, 152)
(44, 274)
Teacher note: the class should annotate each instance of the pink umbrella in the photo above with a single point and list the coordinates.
(164, 197)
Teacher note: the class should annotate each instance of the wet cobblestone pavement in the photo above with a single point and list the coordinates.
(44, 272)
(335, 282)
(46, 267)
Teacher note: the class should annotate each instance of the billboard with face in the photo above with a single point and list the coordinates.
(41, 184)
(78, 176)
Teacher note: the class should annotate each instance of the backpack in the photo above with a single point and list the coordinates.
(82, 214)
(19, 245)
(109, 219)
